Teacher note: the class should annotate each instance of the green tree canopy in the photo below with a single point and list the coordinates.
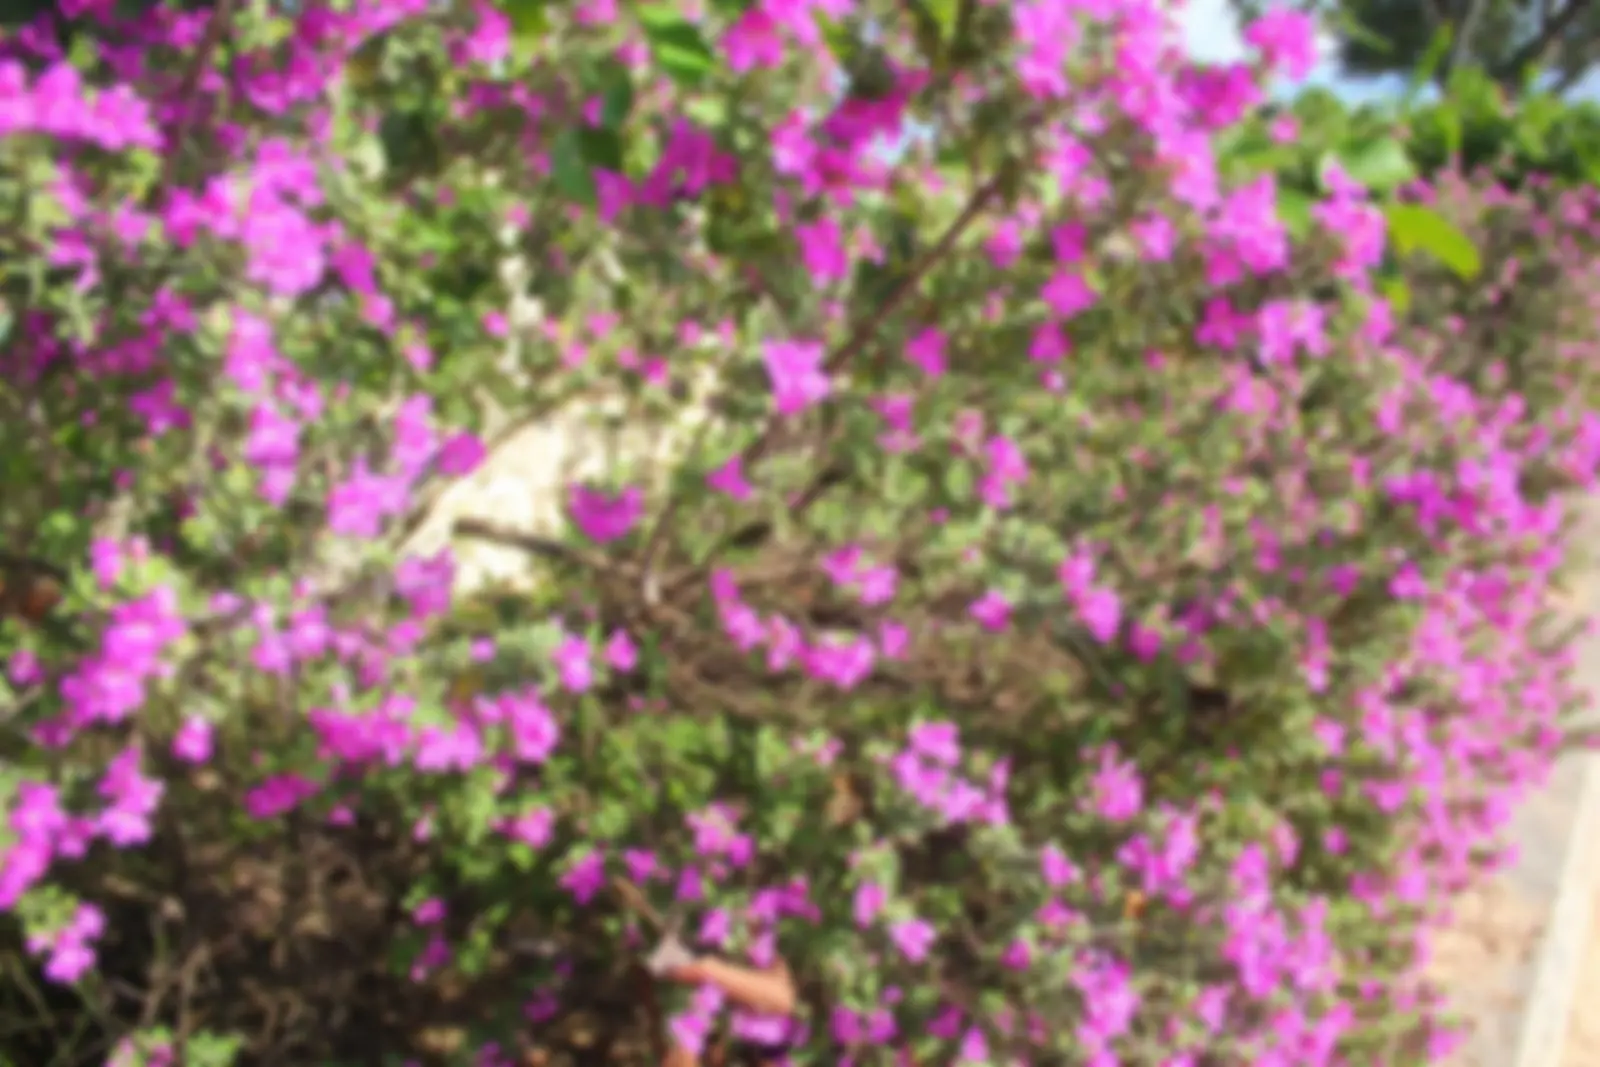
(1506, 38)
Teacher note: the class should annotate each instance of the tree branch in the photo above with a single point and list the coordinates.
(1464, 30)
(506, 537)
(217, 27)
(864, 331)
(1550, 34)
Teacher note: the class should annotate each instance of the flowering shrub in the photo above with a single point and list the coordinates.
(1528, 327)
(1083, 623)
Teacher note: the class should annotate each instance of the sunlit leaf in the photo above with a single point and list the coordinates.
(1428, 66)
(1397, 292)
(1294, 209)
(613, 84)
(529, 18)
(569, 169)
(676, 44)
(1380, 164)
(1418, 229)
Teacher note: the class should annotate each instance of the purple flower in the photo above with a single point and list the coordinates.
(1116, 791)
(937, 741)
(869, 901)
(534, 828)
(192, 744)
(913, 937)
(729, 478)
(1058, 871)
(461, 454)
(1101, 611)
(69, 961)
(798, 379)
(585, 878)
(574, 663)
(621, 653)
(603, 518)
(992, 610)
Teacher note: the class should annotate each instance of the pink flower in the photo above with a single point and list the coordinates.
(358, 506)
(1067, 293)
(448, 748)
(1116, 791)
(822, 250)
(798, 379)
(621, 653)
(926, 352)
(534, 828)
(877, 584)
(752, 41)
(913, 937)
(937, 741)
(992, 610)
(1156, 238)
(573, 663)
(869, 901)
(1101, 611)
(1058, 871)
(729, 479)
(603, 518)
(414, 437)
(278, 795)
(585, 878)
(534, 730)
(192, 744)
(893, 639)
(1049, 344)
(1287, 40)
(461, 454)
(843, 663)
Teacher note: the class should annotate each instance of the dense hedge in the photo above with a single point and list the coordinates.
(1081, 620)
(1475, 126)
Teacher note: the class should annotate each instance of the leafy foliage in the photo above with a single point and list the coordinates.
(1510, 41)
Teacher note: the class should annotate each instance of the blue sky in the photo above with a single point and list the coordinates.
(1212, 33)
(1210, 30)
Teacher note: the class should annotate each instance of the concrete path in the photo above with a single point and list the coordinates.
(1517, 962)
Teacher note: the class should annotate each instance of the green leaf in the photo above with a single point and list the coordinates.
(528, 17)
(1397, 292)
(935, 24)
(612, 82)
(207, 1049)
(1588, 154)
(708, 111)
(601, 148)
(1418, 229)
(840, 41)
(1380, 164)
(1294, 209)
(958, 483)
(676, 44)
(569, 169)
(1428, 66)
(1349, 26)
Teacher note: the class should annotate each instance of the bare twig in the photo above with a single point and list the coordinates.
(533, 544)
(635, 902)
(853, 345)
(217, 26)
(1549, 35)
